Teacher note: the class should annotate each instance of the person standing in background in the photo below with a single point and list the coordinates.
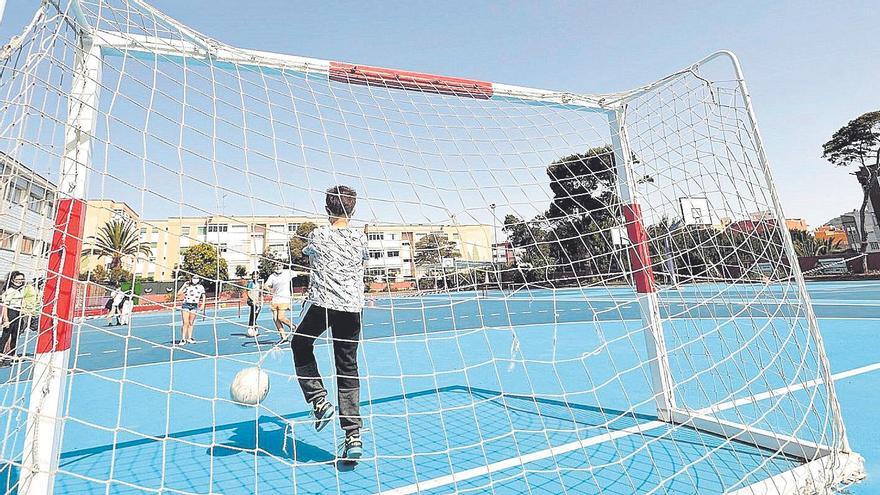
(254, 302)
(14, 318)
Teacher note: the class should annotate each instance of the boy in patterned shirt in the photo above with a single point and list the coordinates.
(336, 298)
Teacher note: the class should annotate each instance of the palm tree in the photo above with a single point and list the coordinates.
(116, 240)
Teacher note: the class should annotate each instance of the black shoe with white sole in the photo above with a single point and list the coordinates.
(323, 411)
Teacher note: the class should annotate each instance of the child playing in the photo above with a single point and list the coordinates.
(336, 297)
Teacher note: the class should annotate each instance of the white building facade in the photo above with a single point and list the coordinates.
(26, 218)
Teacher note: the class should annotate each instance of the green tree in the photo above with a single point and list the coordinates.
(117, 240)
(267, 264)
(119, 275)
(433, 248)
(584, 209)
(806, 244)
(241, 271)
(298, 242)
(205, 261)
(858, 143)
(97, 274)
(529, 241)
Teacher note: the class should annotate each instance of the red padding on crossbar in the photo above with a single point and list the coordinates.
(639, 253)
(413, 81)
(56, 318)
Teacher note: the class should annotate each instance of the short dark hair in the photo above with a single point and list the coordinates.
(340, 201)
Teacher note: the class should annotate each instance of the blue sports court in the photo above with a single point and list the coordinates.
(466, 392)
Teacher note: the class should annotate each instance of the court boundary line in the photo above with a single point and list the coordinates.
(522, 460)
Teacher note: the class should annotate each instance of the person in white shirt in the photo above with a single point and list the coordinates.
(115, 303)
(127, 308)
(193, 293)
(279, 283)
(337, 254)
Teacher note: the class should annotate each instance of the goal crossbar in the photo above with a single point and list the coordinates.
(112, 43)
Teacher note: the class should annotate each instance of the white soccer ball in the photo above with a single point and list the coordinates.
(249, 387)
(251, 332)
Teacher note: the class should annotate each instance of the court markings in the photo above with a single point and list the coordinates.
(580, 444)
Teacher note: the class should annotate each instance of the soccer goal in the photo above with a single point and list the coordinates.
(562, 289)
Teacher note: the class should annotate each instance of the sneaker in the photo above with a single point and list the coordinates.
(181, 342)
(323, 412)
(191, 341)
(354, 447)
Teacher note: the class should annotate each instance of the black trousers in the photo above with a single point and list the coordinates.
(17, 323)
(254, 312)
(346, 329)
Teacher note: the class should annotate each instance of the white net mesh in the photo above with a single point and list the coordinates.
(512, 340)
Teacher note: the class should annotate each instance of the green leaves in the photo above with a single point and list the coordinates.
(117, 239)
(858, 142)
(205, 261)
(433, 248)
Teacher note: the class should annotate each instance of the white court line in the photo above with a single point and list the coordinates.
(579, 444)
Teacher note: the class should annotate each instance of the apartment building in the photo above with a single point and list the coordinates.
(27, 218)
(243, 240)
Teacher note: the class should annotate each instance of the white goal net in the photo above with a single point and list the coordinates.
(564, 293)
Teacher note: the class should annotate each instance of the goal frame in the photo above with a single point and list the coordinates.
(44, 422)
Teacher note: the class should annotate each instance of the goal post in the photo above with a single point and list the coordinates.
(52, 355)
(588, 351)
(641, 267)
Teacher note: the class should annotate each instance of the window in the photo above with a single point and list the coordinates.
(7, 240)
(376, 236)
(143, 231)
(27, 245)
(222, 247)
(407, 260)
(154, 245)
(35, 204)
(404, 243)
(17, 193)
(182, 250)
(376, 272)
(276, 228)
(201, 230)
(239, 229)
(392, 254)
(291, 227)
(375, 254)
(392, 236)
(184, 230)
(218, 227)
(155, 230)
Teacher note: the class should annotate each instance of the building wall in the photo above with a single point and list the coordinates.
(796, 224)
(27, 218)
(850, 223)
(837, 235)
(243, 240)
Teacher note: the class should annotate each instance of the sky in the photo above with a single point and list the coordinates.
(810, 66)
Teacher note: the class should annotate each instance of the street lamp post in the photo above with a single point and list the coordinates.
(494, 240)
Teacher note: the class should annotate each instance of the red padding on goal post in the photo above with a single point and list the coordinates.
(413, 81)
(56, 318)
(639, 253)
